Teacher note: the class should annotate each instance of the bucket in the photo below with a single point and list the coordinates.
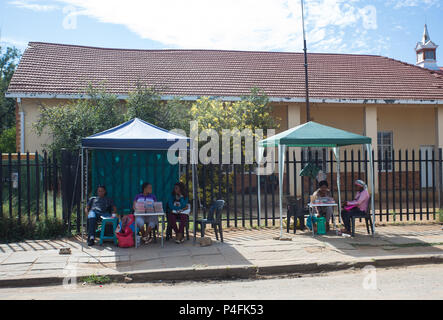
(321, 225)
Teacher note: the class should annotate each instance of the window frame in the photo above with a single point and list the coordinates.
(382, 148)
(429, 52)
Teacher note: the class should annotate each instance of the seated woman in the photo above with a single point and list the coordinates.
(98, 206)
(322, 192)
(358, 206)
(179, 210)
(143, 201)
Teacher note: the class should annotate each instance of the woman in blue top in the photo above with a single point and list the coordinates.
(179, 210)
(141, 202)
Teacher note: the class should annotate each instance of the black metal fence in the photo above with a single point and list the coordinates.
(38, 186)
(407, 183)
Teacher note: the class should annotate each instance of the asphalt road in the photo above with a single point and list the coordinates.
(417, 282)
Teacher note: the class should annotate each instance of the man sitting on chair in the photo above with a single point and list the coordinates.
(98, 206)
(356, 207)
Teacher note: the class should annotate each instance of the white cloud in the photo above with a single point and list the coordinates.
(234, 24)
(397, 4)
(11, 42)
(227, 24)
(32, 5)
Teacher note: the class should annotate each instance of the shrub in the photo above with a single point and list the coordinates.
(47, 228)
(94, 279)
(7, 140)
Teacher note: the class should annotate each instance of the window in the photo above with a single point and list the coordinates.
(322, 157)
(429, 55)
(419, 56)
(385, 146)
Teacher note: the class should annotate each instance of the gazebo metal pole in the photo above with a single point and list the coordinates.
(369, 148)
(87, 172)
(194, 191)
(337, 158)
(258, 194)
(259, 158)
(82, 193)
(281, 152)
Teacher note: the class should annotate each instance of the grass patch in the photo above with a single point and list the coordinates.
(33, 205)
(94, 279)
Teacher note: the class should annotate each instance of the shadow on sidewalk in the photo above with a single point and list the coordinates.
(388, 241)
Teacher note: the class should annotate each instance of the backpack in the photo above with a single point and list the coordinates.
(126, 234)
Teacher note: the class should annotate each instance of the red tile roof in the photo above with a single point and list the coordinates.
(47, 68)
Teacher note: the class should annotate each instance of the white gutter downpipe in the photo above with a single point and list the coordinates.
(22, 126)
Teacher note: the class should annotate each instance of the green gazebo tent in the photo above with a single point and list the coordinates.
(312, 134)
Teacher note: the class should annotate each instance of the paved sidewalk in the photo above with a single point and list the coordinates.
(245, 253)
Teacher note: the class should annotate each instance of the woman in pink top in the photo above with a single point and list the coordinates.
(359, 205)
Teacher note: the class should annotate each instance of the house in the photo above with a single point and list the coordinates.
(398, 105)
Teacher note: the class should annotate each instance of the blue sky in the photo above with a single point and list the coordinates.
(390, 27)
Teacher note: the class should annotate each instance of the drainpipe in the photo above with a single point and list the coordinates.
(22, 126)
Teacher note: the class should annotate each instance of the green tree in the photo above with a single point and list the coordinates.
(69, 123)
(8, 64)
(7, 140)
(250, 112)
(146, 103)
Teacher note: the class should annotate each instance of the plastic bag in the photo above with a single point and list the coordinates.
(309, 221)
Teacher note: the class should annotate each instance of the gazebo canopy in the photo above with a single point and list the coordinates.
(134, 134)
(313, 134)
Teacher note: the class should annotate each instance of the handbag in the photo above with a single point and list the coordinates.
(349, 207)
(125, 236)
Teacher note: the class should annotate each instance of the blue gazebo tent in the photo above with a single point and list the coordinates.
(134, 152)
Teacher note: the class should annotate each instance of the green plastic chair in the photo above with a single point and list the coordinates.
(113, 237)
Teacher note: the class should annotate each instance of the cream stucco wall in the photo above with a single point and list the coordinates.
(280, 111)
(412, 125)
(31, 107)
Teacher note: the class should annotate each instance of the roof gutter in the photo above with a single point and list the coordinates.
(234, 98)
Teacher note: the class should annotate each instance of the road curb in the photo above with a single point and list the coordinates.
(235, 272)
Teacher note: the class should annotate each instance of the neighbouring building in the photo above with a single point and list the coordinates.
(398, 105)
(426, 51)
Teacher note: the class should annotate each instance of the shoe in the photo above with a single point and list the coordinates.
(178, 237)
(91, 242)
